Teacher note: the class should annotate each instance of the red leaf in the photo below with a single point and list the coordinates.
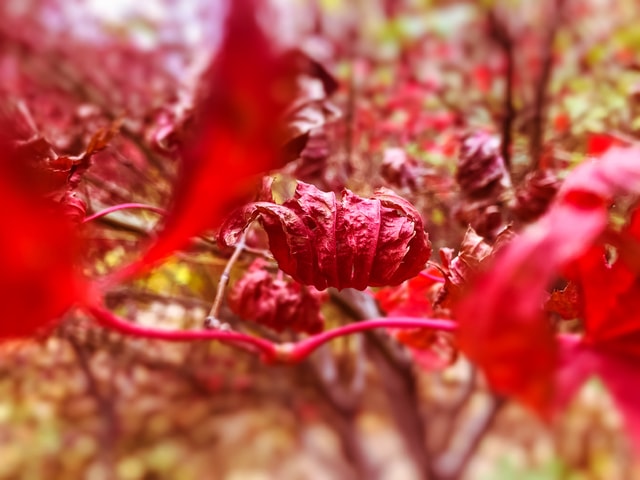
(238, 136)
(502, 327)
(431, 350)
(481, 171)
(37, 253)
(620, 375)
(562, 122)
(275, 303)
(460, 270)
(565, 302)
(599, 143)
(535, 193)
(353, 243)
(411, 298)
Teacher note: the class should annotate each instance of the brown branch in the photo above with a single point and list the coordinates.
(344, 413)
(452, 464)
(542, 85)
(500, 34)
(104, 406)
(396, 375)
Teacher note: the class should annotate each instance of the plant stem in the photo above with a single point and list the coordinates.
(124, 206)
(294, 352)
(271, 352)
(110, 320)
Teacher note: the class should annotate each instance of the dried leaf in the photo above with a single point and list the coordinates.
(481, 171)
(535, 194)
(354, 242)
(461, 269)
(275, 303)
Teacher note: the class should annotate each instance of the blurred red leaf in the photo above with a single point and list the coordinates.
(351, 243)
(610, 300)
(502, 326)
(412, 298)
(535, 193)
(237, 133)
(599, 143)
(38, 250)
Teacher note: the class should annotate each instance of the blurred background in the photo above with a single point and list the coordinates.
(414, 78)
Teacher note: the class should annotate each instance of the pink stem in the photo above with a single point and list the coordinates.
(431, 276)
(124, 206)
(271, 352)
(294, 352)
(110, 320)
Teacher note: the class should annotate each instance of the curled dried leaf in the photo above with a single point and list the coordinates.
(460, 270)
(481, 170)
(535, 194)
(350, 243)
(276, 303)
(399, 169)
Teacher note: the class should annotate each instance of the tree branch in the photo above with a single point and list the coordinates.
(542, 85)
(502, 37)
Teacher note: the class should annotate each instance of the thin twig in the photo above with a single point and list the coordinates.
(242, 340)
(214, 313)
(124, 206)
